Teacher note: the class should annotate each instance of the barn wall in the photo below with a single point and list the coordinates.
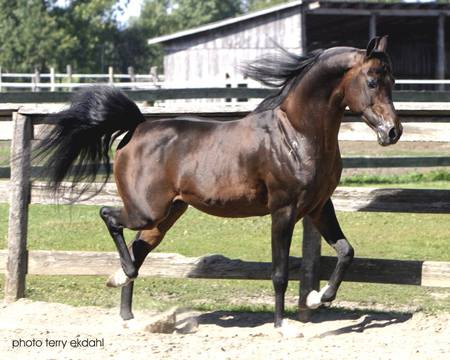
(209, 56)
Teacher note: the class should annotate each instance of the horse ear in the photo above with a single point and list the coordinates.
(372, 45)
(382, 44)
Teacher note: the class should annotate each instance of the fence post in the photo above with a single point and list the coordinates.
(154, 73)
(310, 270)
(110, 75)
(69, 75)
(132, 76)
(20, 187)
(1, 88)
(52, 79)
(36, 79)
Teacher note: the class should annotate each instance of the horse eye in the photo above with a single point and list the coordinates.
(372, 83)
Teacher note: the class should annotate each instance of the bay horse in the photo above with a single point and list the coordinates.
(282, 159)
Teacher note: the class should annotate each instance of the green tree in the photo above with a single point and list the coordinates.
(29, 36)
(253, 5)
(191, 13)
(93, 26)
(153, 21)
(160, 17)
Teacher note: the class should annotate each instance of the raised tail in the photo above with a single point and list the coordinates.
(78, 146)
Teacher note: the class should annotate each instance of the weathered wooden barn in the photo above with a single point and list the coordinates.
(418, 43)
(213, 52)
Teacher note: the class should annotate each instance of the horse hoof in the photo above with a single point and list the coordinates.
(313, 299)
(118, 279)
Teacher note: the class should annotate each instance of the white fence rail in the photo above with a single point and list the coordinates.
(54, 81)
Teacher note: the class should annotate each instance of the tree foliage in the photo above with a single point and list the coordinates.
(253, 5)
(85, 33)
(160, 17)
(29, 35)
(92, 26)
(39, 34)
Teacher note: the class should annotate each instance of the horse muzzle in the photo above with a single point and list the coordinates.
(388, 132)
(389, 136)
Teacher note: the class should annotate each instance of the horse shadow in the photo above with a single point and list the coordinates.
(369, 319)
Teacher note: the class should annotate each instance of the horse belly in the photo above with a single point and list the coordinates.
(229, 200)
(232, 209)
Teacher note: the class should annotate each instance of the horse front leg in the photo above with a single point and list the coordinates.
(113, 218)
(139, 249)
(328, 225)
(144, 243)
(283, 222)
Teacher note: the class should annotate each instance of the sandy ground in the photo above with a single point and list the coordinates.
(27, 329)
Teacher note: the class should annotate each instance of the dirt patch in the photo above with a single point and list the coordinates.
(97, 333)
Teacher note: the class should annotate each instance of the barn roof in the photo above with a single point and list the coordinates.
(327, 7)
(222, 23)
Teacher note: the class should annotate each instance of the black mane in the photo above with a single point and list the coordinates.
(281, 70)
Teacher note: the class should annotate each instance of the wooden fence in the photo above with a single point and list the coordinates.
(215, 92)
(54, 81)
(313, 267)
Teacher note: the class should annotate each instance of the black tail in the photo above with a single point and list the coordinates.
(78, 146)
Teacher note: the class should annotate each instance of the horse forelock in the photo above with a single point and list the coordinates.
(384, 59)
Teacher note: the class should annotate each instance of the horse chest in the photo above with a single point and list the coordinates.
(310, 179)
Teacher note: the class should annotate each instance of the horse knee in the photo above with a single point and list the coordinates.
(110, 217)
(117, 219)
(344, 251)
(280, 282)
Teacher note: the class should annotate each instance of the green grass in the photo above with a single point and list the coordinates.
(228, 295)
(4, 152)
(432, 179)
(402, 236)
(376, 235)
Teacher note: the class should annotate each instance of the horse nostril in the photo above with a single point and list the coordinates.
(393, 134)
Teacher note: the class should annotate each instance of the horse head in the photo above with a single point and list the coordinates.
(367, 89)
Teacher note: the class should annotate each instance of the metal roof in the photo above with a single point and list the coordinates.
(222, 23)
(328, 7)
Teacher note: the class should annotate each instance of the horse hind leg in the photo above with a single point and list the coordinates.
(144, 243)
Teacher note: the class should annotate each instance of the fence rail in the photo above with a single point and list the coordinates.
(54, 81)
(310, 270)
(349, 162)
(157, 93)
(166, 265)
(344, 198)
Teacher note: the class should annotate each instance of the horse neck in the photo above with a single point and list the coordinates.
(314, 107)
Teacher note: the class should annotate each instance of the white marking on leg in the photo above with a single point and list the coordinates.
(313, 300)
(118, 279)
